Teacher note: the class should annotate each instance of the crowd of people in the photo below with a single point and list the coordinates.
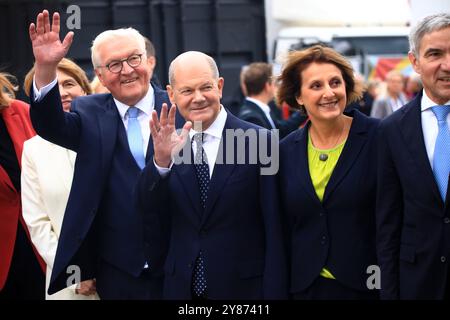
(122, 189)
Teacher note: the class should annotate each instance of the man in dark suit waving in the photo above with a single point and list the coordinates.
(226, 240)
(413, 198)
(102, 233)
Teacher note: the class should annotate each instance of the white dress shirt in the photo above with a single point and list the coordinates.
(146, 106)
(430, 127)
(211, 142)
(265, 108)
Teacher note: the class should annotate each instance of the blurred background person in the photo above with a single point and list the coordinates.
(22, 270)
(394, 98)
(413, 86)
(370, 93)
(96, 86)
(259, 106)
(327, 179)
(47, 173)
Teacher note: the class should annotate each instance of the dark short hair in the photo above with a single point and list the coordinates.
(255, 76)
(290, 80)
(149, 48)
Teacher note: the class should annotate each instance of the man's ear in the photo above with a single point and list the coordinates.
(414, 62)
(170, 93)
(99, 75)
(220, 84)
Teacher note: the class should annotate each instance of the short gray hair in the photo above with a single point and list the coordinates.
(210, 60)
(111, 35)
(427, 25)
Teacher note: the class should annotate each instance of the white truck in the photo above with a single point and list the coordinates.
(372, 50)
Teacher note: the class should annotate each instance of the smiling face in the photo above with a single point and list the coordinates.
(322, 92)
(433, 64)
(195, 90)
(69, 89)
(131, 84)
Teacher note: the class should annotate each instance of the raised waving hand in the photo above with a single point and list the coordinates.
(48, 49)
(166, 141)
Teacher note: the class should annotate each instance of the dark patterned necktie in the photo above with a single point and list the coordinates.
(202, 169)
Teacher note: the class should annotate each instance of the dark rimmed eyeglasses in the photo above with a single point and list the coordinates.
(116, 66)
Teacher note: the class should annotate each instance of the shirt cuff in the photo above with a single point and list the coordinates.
(40, 94)
(163, 172)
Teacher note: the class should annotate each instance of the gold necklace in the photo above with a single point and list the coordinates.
(324, 156)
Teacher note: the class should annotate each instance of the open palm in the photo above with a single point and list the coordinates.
(47, 47)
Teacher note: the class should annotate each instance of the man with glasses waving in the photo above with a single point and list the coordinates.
(102, 233)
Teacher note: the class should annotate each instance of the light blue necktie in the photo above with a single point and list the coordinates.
(134, 134)
(441, 157)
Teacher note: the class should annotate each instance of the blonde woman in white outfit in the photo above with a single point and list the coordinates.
(47, 172)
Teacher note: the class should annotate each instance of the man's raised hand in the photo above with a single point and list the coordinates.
(48, 49)
(166, 141)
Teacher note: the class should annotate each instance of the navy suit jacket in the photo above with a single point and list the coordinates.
(90, 129)
(339, 232)
(251, 112)
(239, 233)
(413, 225)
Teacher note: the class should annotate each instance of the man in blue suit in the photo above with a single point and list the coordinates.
(226, 239)
(102, 233)
(413, 198)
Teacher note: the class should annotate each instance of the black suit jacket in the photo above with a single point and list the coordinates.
(413, 223)
(339, 232)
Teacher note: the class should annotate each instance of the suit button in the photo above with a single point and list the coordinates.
(446, 220)
(443, 259)
(146, 245)
(203, 232)
(321, 214)
(190, 265)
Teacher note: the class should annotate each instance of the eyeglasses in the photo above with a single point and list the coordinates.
(116, 66)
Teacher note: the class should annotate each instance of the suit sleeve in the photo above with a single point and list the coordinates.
(389, 217)
(276, 272)
(52, 123)
(34, 211)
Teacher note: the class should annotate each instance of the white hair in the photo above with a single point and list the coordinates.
(111, 35)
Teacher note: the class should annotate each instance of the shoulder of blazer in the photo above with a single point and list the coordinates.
(411, 107)
(161, 97)
(250, 108)
(362, 123)
(234, 122)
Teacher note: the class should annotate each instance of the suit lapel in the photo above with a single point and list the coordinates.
(355, 141)
(108, 122)
(410, 125)
(302, 169)
(188, 179)
(222, 171)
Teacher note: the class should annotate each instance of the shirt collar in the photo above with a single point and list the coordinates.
(264, 107)
(426, 103)
(146, 104)
(216, 128)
